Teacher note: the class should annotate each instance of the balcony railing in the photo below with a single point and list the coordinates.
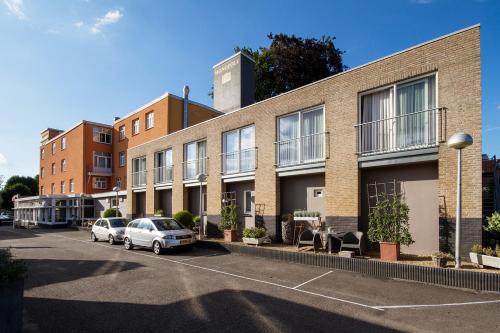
(190, 169)
(139, 178)
(239, 161)
(302, 150)
(404, 132)
(102, 170)
(163, 175)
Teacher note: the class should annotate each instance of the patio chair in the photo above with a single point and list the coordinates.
(353, 241)
(308, 238)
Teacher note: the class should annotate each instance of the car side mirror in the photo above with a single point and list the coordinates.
(150, 229)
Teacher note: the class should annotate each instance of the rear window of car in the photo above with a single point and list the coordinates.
(117, 223)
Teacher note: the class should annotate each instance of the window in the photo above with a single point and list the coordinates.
(100, 183)
(54, 147)
(121, 132)
(239, 150)
(102, 160)
(63, 165)
(139, 171)
(318, 193)
(123, 158)
(150, 120)
(248, 202)
(42, 172)
(41, 190)
(53, 168)
(63, 143)
(52, 188)
(63, 186)
(72, 185)
(301, 137)
(102, 135)
(119, 182)
(42, 153)
(163, 166)
(135, 126)
(195, 159)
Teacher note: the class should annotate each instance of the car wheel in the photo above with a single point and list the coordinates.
(111, 240)
(128, 244)
(157, 248)
(93, 237)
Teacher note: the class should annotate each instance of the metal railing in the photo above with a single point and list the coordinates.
(163, 174)
(239, 161)
(190, 169)
(139, 178)
(302, 150)
(102, 170)
(415, 130)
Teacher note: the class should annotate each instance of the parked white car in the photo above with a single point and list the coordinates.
(158, 233)
(5, 217)
(111, 229)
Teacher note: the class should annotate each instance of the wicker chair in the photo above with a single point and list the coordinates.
(353, 241)
(308, 238)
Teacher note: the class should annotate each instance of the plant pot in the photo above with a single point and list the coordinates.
(484, 260)
(439, 262)
(230, 236)
(11, 306)
(389, 251)
(255, 241)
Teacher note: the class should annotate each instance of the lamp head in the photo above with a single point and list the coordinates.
(116, 189)
(201, 177)
(460, 140)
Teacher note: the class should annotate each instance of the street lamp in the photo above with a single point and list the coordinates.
(459, 141)
(201, 177)
(116, 189)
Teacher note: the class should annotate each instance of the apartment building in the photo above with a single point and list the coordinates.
(332, 145)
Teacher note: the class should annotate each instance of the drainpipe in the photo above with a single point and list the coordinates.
(185, 91)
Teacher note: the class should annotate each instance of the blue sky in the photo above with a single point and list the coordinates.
(62, 61)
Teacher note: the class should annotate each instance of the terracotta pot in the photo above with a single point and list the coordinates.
(230, 236)
(389, 251)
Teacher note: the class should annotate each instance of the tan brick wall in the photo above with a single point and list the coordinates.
(455, 59)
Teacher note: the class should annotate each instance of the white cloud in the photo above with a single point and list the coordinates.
(498, 107)
(3, 160)
(111, 17)
(15, 7)
(79, 24)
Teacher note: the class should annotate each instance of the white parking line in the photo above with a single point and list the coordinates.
(434, 305)
(317, 277)
(221, 272)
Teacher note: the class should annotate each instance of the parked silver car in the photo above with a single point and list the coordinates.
(157, 233)
(111, 229)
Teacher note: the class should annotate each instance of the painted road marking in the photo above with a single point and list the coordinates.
(434, 305)
(317, 277)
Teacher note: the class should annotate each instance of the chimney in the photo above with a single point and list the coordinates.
(234, 82)
(185, 92)
(117, 118)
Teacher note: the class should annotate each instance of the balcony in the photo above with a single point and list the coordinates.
(100, 171)
(163, 175)
(240, 161)
(423, 129)
(190, 169)
(139, 178)
(302, 150)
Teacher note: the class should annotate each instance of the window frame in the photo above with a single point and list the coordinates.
(98, 155)
(245, 211)
(121, 133)
(71, 185)
(150, 120)
(122, 159)
(136, 129)
(53, 169)
(63, 143)
(42, 153)
(63, 165)
(54, 147)
(63, 187)
(102, 132)
(100, 180)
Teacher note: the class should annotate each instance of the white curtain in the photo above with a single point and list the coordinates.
(313, 140)
(202, 154)
(288, 145)
(377, 114)
(231, 147)
(247, 146)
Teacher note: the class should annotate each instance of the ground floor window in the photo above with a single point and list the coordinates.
(100, 183)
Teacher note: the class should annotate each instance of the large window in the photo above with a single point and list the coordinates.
(399, 117)
(102, 160)
(239, 150)
(195, 159)
(102, 135)
(135, 126)
(163, 166)
(139, 171)
(301, 137)
(121, 132)
(122, 158)
(150, 120)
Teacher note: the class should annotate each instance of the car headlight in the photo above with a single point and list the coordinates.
(171, 237)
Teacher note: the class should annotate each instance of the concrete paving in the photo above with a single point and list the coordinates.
(75, 285)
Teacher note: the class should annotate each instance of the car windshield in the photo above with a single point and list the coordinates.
(163, 225)
(117, 223)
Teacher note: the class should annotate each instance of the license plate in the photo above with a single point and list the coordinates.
(185, 241)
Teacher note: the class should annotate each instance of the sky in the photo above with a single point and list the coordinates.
(62, 61)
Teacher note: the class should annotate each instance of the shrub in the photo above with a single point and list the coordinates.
(229, 217)
(197, 220)
(111, 212)
(477, 248)
(388, 221)
(488, 251)
(185, 218)
(159, 212)
(10, 269)
(493, 222)
(443, 255)
(254, 232)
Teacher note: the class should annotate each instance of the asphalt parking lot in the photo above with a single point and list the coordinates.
(75, 285)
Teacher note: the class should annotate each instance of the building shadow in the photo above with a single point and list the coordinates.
(221, 311)
(43, 272)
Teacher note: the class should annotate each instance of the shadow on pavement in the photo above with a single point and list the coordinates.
(43, 272)
(222, 311)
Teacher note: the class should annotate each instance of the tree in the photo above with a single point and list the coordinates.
(291, 62)
(9, 191)
(30, 182)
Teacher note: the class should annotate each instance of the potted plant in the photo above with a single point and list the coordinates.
(440, 259)
(287, 225)
(159, 212)
(388, 225)
(254, 236)
(493, 225)
(304, 215)
(485, 256)
(229, 222)
(11, 292)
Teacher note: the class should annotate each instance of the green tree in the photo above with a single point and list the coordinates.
(291, 62)
(9, 191)
(30, 182)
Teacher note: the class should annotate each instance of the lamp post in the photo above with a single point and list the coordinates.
(82, 201)
(201, 177)
(116, 189)
(459, 141)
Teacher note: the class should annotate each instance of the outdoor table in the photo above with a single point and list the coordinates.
(327, 237)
